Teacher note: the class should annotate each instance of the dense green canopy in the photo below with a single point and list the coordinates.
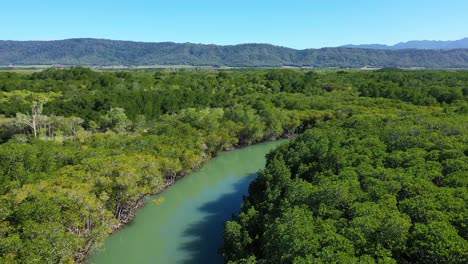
(371, 188)
(80, 150)
(384, 189)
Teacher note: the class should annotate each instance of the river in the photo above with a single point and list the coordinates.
(186, 223)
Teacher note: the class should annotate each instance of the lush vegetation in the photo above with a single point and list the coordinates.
(100, 52)
(371, 188)
(82, 149)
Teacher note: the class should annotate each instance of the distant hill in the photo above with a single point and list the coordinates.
(102, 52)
(418, 44)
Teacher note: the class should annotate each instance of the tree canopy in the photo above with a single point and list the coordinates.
(378, 175)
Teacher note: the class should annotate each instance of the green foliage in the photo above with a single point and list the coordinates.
(383, 166)
(116, 120)
(360, 190)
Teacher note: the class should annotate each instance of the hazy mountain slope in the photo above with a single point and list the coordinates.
(418, 44)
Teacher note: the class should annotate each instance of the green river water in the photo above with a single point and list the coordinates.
(187, 226)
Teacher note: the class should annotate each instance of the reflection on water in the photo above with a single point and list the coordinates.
(184, 224)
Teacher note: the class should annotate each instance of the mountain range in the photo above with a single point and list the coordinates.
(417, 44)
(103, 52)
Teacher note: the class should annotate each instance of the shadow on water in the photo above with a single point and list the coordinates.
(206, 237)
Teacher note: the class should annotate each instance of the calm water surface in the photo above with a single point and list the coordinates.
(187, 227)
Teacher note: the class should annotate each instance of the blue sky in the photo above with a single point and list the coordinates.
(291, 23)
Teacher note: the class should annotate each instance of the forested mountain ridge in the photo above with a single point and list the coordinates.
(417, 44)
(102, 52)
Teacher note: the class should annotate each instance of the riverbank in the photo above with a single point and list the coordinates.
(128, 219)
(187, 223)
(95, 154)
(169, 182)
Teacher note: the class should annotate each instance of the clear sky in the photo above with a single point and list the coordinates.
(291, 23)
